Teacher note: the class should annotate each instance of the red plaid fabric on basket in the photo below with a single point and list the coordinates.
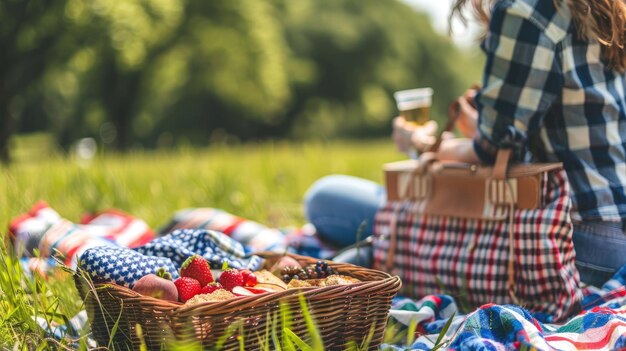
(471, 259)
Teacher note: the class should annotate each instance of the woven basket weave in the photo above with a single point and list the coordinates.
(342, 314)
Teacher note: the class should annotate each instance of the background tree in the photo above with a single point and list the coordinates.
(110, 66)
(233, 80)
(33, 37)
(160, 72)
(351, 55)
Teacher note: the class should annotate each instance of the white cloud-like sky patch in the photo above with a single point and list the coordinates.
(439, 10)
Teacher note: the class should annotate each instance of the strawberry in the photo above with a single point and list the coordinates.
(197, 267)
(249, 279)
(211, 287)
(187, 288)
(231, 278)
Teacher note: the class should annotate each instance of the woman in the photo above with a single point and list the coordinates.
(553, 90)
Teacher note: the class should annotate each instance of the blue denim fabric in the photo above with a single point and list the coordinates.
(600, 250)
(337, 205)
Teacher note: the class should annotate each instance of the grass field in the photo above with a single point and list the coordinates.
(263, 182)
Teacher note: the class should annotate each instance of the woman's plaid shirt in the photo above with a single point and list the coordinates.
(545, 88)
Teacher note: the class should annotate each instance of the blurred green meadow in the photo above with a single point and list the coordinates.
(264, 182)
(261, 181)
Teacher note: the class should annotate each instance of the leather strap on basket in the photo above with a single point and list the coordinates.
(502, 164)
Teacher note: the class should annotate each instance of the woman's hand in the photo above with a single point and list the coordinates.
(467, 118)
(409, 137)
(459, 150)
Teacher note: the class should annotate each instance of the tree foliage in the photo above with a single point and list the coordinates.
(157, 72)
(34, 38)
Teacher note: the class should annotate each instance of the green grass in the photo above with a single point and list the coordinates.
(264, 182)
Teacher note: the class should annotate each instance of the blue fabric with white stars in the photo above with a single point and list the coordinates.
(214, 246)
(125, 266)
(122, 266)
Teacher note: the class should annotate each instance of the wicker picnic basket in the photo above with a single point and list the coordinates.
(342, 314)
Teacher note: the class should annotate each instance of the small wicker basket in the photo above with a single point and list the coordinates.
(342, 314)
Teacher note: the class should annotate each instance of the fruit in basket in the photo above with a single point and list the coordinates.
(187, 288)
(249, 278)
(231, 278)
(285, 261)
(211, 287)
(290, 271)
(198, 268)
(319, 270)
(266, 279)
(158, 285)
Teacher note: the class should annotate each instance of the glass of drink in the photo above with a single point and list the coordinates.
(414, 104)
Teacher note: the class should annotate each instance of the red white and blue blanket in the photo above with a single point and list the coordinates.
(600, 326)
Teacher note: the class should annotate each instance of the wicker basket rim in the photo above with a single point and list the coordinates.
(258, 298)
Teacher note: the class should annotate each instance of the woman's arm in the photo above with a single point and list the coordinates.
(522, 79)
(408, 136)
(458, 149)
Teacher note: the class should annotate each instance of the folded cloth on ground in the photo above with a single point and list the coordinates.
(612, 294)
(601, 326)
(43, 232)
(41, 236)
(256, 236)
(250, 233)
(513, 328)
(125, 266)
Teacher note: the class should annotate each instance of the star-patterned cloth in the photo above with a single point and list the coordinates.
(122, 266)
(125, 266)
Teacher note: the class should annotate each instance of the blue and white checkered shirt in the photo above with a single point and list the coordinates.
(545, 88)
